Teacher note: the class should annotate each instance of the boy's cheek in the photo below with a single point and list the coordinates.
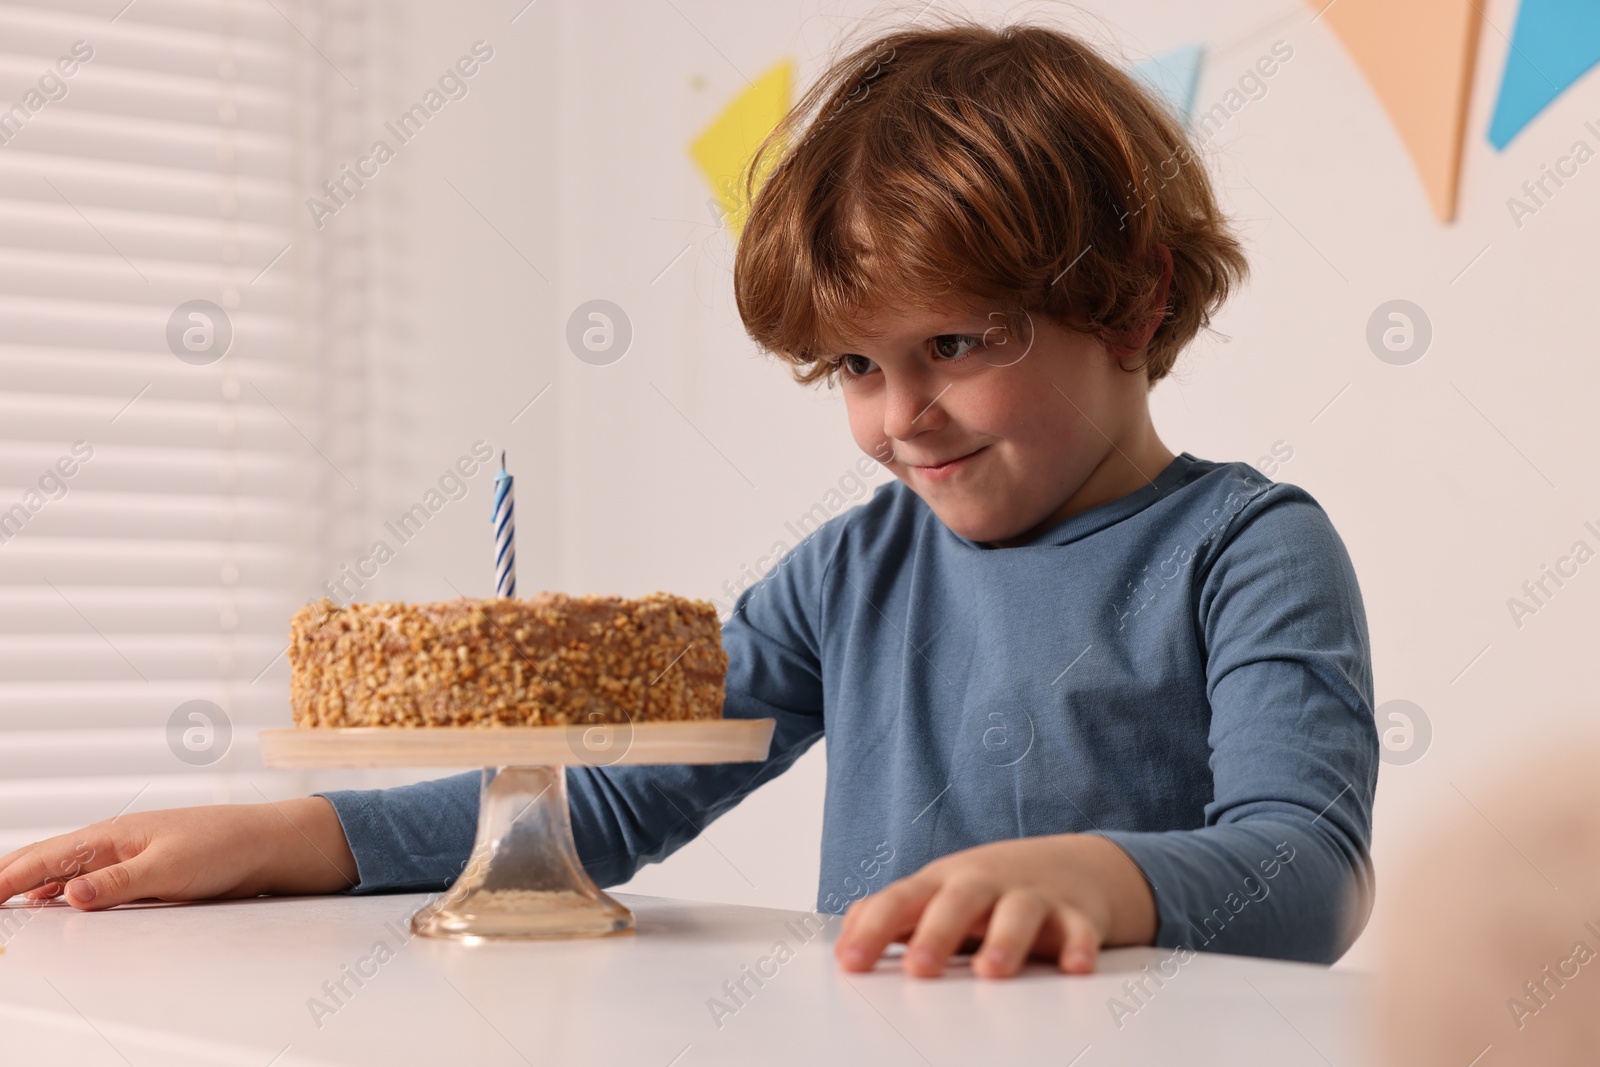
(866, 429)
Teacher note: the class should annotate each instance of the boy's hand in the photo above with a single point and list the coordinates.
(1059, 897)
(229, 850)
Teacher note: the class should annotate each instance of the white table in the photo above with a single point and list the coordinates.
(232, 983)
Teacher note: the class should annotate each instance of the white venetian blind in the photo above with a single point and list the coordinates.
(170, 165)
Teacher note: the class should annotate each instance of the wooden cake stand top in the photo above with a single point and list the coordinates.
(595, 744)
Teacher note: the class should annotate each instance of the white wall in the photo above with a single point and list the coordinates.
(1451, 480)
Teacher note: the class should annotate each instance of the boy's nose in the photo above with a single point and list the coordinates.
(911, 408)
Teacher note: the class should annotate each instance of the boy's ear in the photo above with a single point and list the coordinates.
(1136, 339)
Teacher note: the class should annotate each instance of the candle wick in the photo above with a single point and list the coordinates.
(502, 460)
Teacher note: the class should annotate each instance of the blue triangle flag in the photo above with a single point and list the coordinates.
(1173, 77)
(1554, 43)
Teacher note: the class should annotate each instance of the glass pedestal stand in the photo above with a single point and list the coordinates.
(523, 880)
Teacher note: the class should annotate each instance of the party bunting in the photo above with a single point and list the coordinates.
(1417, 55)
(1554, 44)
(723, 151)
(1173, 76)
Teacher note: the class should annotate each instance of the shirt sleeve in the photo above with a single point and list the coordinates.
(1280, 866)
(624, 816)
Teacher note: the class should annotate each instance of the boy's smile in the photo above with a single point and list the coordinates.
(937, 470)
(1000, 435)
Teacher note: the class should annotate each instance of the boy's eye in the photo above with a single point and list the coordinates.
(856, 365)
(949, 345)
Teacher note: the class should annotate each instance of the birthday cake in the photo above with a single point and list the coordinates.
(543, 660)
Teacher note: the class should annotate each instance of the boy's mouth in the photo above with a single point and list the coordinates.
(945, 468)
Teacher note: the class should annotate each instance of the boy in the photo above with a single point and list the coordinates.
(1077, 690)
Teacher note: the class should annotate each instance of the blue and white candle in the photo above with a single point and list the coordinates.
(505, 535)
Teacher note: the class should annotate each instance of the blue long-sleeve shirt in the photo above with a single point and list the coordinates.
(1184, 670)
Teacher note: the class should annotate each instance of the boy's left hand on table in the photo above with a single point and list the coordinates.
(1059, 897)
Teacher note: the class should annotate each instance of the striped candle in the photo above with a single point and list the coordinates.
(505, 535)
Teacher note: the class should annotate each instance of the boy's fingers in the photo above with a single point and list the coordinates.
(55, 860)
(20, 872)
(113, 885)
(850, 915)
(8, 859)
(1080, 942)
(1013, 929)
(886, 916)
(945, 923)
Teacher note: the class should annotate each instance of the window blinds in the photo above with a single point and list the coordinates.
(162, 510)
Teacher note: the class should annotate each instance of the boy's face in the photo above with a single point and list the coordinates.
(998, 435)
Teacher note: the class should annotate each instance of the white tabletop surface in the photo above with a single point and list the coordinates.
(233, 982)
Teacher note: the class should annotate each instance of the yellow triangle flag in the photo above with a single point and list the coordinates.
(1417, 55)
(723, 150)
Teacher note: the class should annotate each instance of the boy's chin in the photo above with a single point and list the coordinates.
(973, 524)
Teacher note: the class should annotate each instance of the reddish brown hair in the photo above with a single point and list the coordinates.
(1010, 168)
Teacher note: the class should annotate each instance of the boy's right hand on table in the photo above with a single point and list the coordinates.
(228, 850)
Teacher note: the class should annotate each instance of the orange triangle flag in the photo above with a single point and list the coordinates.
(1417, 55)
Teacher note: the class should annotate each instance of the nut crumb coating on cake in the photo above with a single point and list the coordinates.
(543, 660)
